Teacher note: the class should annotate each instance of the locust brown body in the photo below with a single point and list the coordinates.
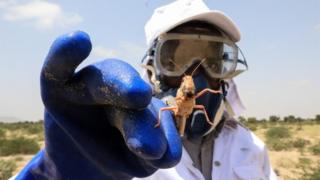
(186, 102)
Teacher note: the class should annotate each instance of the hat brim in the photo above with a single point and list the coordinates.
(217, 18)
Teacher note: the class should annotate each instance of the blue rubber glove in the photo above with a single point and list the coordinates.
(99, 122)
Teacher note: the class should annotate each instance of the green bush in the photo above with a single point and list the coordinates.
(252, 120)
(252, 126)
(300, 143)
(311, 173)
(277, 138)
(242, 119)
(289, 119)
(305, 162)
(32, 127)
(2, 133)
(317, 118)
(278, 132)
(6, 169)
(18, 146)
(315, 149)
(278, 144)
(264, 125)
(35, 128)
(274, 119)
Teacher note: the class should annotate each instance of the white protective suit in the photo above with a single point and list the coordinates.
(238, 153)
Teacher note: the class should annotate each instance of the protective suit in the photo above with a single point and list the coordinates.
(236, 153)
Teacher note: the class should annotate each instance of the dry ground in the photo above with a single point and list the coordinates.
(285, 163)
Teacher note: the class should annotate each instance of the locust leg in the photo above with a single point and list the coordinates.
(205, 113)
(208, 90)
(181, 121)
(160, 111)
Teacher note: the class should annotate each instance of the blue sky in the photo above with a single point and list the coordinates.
(280, 39)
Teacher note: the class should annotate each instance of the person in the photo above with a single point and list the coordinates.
(185, 37)
(100, 121)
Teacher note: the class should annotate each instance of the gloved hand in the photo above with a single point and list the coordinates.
(99, 122)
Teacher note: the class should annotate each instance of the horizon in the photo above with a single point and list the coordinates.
(281, 45)
(281, 118)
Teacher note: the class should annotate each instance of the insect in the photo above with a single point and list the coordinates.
(186, 102)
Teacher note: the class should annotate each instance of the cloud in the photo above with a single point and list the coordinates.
(44, 15)
(127, 51)
(6, 3)
(132, 51)
(102, 52)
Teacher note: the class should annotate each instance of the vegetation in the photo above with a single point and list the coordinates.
(311, 173)
(278, 133)
(315, 149)
(6, 169)
(293, 143)
(18, 146)
(17, 140)
(300, 143)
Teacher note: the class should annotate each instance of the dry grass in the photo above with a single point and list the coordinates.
(20, 160)
(286, 163)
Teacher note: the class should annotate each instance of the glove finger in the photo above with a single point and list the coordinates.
(138, 131)
(173, 152)
(116, 83)
(65, 54)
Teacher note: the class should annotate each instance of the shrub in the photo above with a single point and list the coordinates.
(305, 162)
(300, 143)
(289, 119)
(252, 120)
(313, 173)
(6, 169)
(278, 132)
(317, 118)
(274, 118)
(278, 144)
(264, 125)
(315, 149)
(18, 146)
(2, 134)
(276, 138)
(252, 126)
(242, 119)
(35, 128)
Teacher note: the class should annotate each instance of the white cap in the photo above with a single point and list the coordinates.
(174, 14)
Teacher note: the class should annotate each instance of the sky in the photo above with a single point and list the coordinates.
(280, 40)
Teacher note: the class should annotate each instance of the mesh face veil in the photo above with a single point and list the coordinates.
(175, 53)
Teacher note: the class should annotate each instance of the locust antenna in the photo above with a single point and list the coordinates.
(177, 66)
(198, 66)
